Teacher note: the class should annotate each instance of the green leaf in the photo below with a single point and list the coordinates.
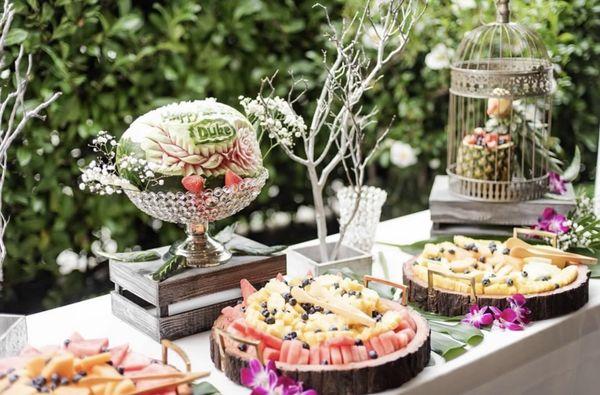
(436, 317)
(16, 36)
(242, 246)
(571, 172)
(205, 388)
(446, 346)
(128, 24)
(171, 266)
(461, 332)
(226, 234)
(134, 256)
(247, 7)
(23, 156)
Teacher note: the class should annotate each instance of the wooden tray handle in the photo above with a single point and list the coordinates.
(431, 272)
(536, 232)
(253, 343)
(166, 345)
(367, 279)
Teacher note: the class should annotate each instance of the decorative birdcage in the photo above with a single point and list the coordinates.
(500, 113)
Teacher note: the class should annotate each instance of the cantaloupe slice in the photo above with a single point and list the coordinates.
(35, 365)
(99, 359)
(20, 389)
(62, 365)
(110, 388)
(70, 390)
(124, 387)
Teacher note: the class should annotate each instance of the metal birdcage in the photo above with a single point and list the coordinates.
(500, 113)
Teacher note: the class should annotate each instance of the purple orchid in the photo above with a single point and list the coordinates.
(478, 317)
(517, 304)
(551, 221)
(265, 380)
(556, 183)
(506, 319)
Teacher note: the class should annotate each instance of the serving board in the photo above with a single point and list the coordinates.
(542, 305)
(454, 214)
(187, 302)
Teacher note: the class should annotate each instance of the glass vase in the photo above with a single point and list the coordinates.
(361, 219)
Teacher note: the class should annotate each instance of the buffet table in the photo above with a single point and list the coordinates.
(556, 356)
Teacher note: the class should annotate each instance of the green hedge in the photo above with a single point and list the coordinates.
(116, 60)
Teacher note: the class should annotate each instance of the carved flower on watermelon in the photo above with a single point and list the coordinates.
(203, 138)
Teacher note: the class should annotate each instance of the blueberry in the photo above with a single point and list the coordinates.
(509, 282)
(372, 354)
(67, 342)
(352, 293)
(270, 320)
(287, 296)
(556, 286)
(336, 285)
(485, 282)
(305, 282)
(293, 302)
(324, 362)
(333, 328)
(265, 313)
(121, 370)
(263, 305)
(77, 377)
(304, 316)
(13, 377)
(451, 252)
(243, 309)
(65, 381)
(318, 331)
(358, 342)
(482, 259)
(374, 313)
(243, 347)
(524, 273)
(506, 251)
(311, 310)
(305, 346)
(55, 378)
(292, 335)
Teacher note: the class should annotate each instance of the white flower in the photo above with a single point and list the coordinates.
(458, 5)
(439, 57)
(402, 154)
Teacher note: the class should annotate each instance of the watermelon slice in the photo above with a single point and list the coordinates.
(304, 356)
(285, 350)
(364, 355)
(239, 325)
(409, 333)
(315, 356)
(402, 339)
(134, 361)
(336, 355)
(117, 354)
(154, 369)
(402, 325)
(271, 354)
(270, 340)
(387, 341)
(231, 178)
(295, 352)
(247, 289)
(341, 341)
(347, 354)
(193, 183)
(368, 346)
(325, 354)
(377, 346)
(13, 362)
(356, 354)
(232, 313)
(86, 348)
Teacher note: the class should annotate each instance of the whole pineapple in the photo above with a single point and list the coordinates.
(485, 156)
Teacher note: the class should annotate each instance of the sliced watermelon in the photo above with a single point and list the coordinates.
(134, 361)
(270, 340)
(368, 346)
(364, 355)
(85, 348)
(51, 349)
(304, 356)
(315, 356)
(247, 289)
(401, 339)
(356, 354)
(409, 333)
(402, 325)
(29, 351)
(231, 178)
(117, 354)
(412, 324)
(325, 354)
(13, 362)
(347, 354)
(239, 325)
(271, 354)
(336, 355)
(253, 333)
(388, 341)
(285, 350)
(341, 341)
(377, 346)
(295, 352)
(232, 313)
(154, 369)
(193, 183)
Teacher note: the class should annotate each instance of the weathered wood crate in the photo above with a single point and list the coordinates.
(454, 214)
(187, 302)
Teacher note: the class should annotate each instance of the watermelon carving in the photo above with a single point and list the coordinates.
(367, 345)
(201, 138)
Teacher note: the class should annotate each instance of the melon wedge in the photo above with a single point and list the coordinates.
(346, 354)
(84, 348)
(336, 356)
(304, 356)
(364, 355)
(285, 350)
(377, 346)
(325, 354)
(134, 361)
(295, 352)
(118, 354)
(389, 341)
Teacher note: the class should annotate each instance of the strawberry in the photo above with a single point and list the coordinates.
(231, 178)
(193, 183)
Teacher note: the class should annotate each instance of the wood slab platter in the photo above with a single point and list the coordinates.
(542, 305)
(386, 372)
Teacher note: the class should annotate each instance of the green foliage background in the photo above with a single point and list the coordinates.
(114, 60)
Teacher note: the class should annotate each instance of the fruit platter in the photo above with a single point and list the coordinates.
(91, 367)
(333, 334)
(448, 277)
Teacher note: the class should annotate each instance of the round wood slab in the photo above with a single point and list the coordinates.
(389, 371)
(543, 305)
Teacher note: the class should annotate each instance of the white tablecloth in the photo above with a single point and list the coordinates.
(558, 356)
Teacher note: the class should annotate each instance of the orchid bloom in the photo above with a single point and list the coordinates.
(264, 380)
(552, 221)
(478, 317)
(556, 183)
(517, 304)
(506, 319)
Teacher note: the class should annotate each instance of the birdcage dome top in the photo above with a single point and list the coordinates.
(505, 55)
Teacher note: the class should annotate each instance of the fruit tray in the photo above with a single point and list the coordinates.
(187, 302)
(447, 278)
(363, 353)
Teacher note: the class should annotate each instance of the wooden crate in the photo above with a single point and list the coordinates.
(454, 214)
(187, 302)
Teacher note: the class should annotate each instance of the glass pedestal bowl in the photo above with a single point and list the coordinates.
(196, 212)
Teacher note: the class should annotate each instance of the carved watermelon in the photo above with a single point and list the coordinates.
(202, 137)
